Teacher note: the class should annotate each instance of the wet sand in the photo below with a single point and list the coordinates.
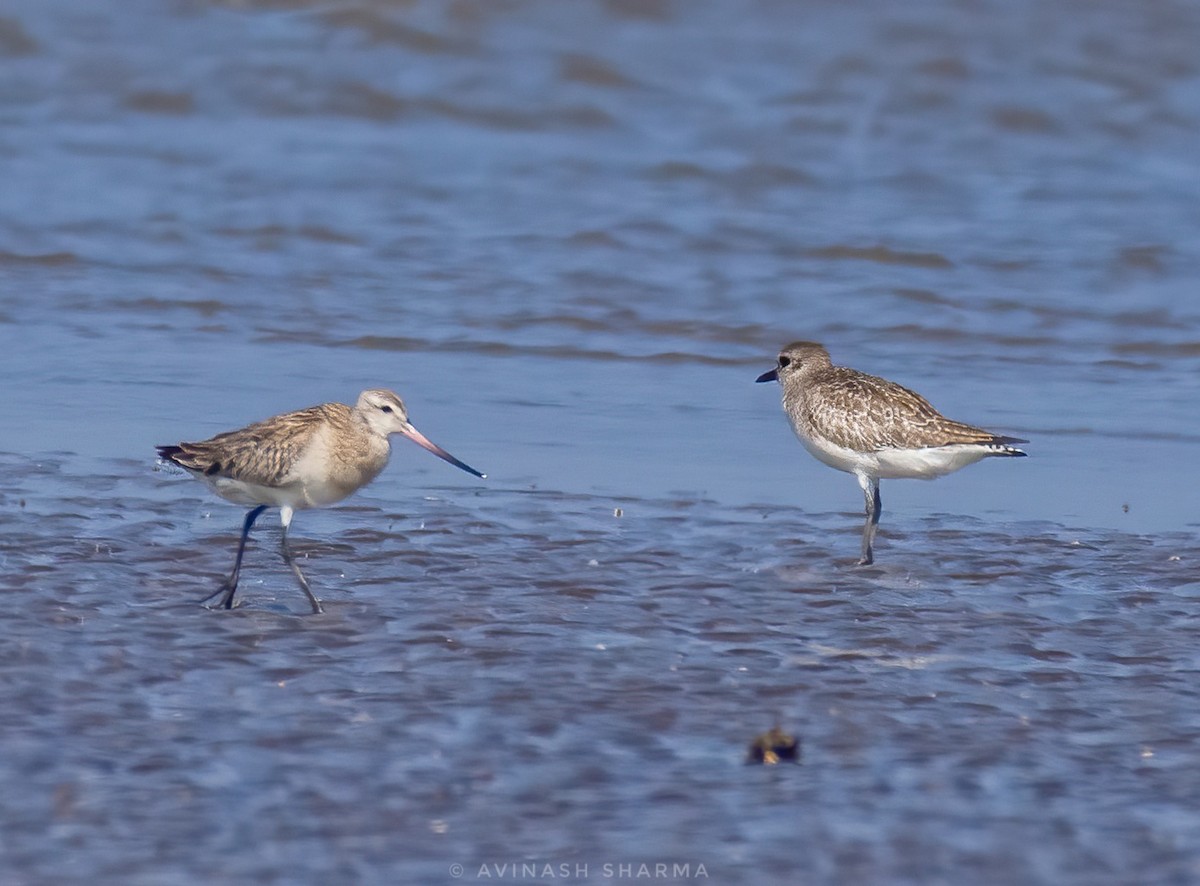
(509, 667)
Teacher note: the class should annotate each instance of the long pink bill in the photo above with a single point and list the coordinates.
(425, 443)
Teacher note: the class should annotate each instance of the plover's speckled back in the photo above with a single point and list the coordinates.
(873, 428)
(304, 459)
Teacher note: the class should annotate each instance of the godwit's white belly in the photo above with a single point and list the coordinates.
(242, 493)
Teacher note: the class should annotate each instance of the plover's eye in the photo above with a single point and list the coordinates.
(386, 409)
(784, 361)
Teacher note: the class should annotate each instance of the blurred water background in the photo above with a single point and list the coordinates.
(571, 235)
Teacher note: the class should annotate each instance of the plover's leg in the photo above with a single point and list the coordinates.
(286, 516)
(874, 507)
(229, 587)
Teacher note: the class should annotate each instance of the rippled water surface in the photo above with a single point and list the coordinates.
(571, 235)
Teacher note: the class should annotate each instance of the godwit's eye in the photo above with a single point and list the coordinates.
(386, 409)
(784, 361)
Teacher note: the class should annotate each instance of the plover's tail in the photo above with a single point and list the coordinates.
(972, 437)
(1003, 446)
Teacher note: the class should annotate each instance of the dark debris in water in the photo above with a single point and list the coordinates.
(774, 746)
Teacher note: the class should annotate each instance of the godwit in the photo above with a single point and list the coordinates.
(304, 459)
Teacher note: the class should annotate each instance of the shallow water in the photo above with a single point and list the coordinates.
(571, 236)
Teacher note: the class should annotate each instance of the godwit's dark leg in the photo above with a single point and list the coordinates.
(286, 516)
(229, 588)
(874, 507)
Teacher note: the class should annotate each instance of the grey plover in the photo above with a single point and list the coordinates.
(304, 459)
(873, 428)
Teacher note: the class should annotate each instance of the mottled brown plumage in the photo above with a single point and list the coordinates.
(873, 428)
(864, 412)
(260, 453)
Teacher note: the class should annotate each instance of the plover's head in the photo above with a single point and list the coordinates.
(385, 414)
(796, 360)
